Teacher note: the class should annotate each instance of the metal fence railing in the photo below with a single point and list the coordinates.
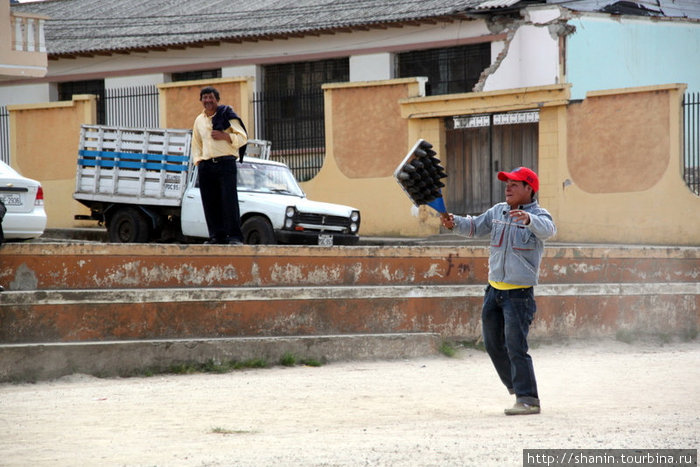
(134, 107)
(4, 134)
(691, 141)
(294, 123)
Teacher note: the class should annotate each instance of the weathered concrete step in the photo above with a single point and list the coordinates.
(32, 362)
(97, 266)
(563, 310)
(225, 294)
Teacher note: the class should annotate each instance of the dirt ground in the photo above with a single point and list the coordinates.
(435, 411)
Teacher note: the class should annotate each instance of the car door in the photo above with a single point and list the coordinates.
(192, 219)
(192, 213)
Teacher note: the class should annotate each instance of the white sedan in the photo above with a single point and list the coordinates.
(24, 200)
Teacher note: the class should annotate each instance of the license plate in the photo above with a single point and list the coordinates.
(11, 200)
(325, 240)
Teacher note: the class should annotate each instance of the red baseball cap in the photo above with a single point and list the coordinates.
(522, 174)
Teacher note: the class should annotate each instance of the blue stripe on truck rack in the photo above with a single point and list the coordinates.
(129, 160)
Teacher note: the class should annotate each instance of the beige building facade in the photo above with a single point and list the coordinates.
(22, 47)
(604, 178)
(606, 136)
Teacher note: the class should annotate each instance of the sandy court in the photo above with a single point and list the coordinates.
(425, 412)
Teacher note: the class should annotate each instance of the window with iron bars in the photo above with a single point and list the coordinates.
(194, 75)
(691, 141)
(289, 112)
(449, 70)
(67, 90)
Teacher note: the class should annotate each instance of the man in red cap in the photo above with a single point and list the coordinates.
(518, 229)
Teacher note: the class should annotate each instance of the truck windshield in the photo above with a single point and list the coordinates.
(267, 178)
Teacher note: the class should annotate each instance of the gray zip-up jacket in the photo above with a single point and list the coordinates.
(516, 249)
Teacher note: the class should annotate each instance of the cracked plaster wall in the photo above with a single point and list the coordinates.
(529, 56)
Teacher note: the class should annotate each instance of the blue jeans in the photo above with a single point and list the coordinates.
(506, 317)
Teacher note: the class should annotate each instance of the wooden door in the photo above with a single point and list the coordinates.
(478, 147)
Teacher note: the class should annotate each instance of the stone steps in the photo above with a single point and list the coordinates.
(33, 362)
(76, 294)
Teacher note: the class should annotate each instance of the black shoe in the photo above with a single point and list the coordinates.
(234, 241)
(2, 289)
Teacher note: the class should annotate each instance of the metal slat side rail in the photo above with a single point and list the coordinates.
(136, 161)
(4, 134)
(133, 165)
(115, 173)
(98, 169)
(691, 141)
(79, 172)
(142, 172)
(166, 144)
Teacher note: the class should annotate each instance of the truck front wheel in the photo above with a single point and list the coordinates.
(128, 225)
(258, 231)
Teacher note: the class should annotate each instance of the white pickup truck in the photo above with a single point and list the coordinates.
(141, 184)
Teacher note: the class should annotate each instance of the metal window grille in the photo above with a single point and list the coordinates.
(195, 75)
(4, 134)
(449, 70)
(691, 141)
(135, 107)
(294, 123)
(97, 87)
(289, 112)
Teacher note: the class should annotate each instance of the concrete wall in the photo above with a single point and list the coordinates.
(138, 80)
(426, 120)
(44, 146)
(179, 102)
(101, 292)
(610, 166)
(33, 93)
(624, 176)
(366, 139)
(529, 55)
(371, 67)
(632, 51)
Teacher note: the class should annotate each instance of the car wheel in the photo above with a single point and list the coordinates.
(258, 231)
(128, 225)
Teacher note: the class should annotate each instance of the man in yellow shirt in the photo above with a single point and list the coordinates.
(215, 149)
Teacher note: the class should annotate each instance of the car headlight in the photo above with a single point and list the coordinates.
(291, 210)
(353, 227)
(355, 216)
(288, 222)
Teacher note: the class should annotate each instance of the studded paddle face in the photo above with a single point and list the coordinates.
(420, 175)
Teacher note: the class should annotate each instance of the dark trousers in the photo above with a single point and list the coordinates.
(218, 187)
(506, 317)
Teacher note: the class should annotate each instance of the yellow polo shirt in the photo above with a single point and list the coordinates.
(205, 147)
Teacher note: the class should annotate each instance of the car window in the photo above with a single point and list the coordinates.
(264, 178)
(267, 178)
